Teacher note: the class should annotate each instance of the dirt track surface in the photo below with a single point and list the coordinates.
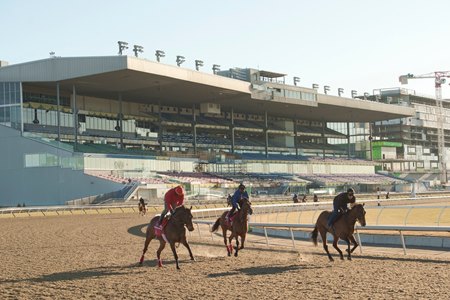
(95, 257)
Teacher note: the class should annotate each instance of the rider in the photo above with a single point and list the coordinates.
(295, 198)
(340, 205)
(172, 199)
(238, 195)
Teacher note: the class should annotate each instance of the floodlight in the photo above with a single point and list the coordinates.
(340, 91)
(315, 86)
(159, 54)
(122, 46)
(180, 60)
(137, 49)
(198, 64)
(354, 93)
(296, 80)
(326, 89)
(216, 68)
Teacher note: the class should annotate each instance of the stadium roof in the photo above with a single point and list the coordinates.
(143, 81)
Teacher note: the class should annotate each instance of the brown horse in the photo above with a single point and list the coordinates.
(142, 209)
(344, 228)
(238, 228)
(175, 233)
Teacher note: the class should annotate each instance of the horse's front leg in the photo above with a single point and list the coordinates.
(186, 244)
(175, 255)
(355, 244)
(162, 244)
(349, 256)
(242, 241)
(224, 232)
(335, 241)
(237, 245)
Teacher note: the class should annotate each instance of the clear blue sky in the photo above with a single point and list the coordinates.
(353, 44)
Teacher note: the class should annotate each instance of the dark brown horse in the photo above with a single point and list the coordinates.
(343, 229)
(175, 232)
(238, 228)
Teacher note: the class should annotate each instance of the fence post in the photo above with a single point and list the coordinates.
(265, 234)
(403, 241)
(292, 237)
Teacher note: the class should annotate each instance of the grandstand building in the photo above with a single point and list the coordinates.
(409, 145)
(68, 126)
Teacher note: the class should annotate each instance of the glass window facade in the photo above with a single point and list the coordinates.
(10, 102)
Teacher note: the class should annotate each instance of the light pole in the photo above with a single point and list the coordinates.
(216, 68)
(180, 60)
(137, 49)
(198, 64)
(159, 54)
(122, 46)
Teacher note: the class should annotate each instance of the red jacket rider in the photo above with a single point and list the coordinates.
(172, 199)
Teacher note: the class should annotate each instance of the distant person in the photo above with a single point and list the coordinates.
(387, 195)
(378, 193)
(229, 199)
(304, 199)
(295, 198)
(23, 205)
(18, 205)
(340, 205)
(315, 198)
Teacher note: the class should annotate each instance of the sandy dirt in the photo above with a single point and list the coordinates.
(95, 257)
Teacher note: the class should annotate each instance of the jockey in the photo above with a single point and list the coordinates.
(172, 199)
(340, 205)
(238, 195)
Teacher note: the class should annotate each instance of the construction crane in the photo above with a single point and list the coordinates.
(439, 80)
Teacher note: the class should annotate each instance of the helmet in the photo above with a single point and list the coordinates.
(241, 186)
(179, 191)
(351, 190)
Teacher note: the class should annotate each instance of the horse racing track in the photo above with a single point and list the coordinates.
(96, 256)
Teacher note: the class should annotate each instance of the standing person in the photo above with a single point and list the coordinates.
(340, 205)
(238, 195)
(315, 198)
(295, 198)
(378, 193)
(304, 199)
(172, 199)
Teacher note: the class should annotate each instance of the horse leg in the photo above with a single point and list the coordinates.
(186, 244)
(174, 251)
(162, 244)
(224, 232)
(335, 241)
(349, 257)
(148, 239)
(237, 245)
(323, 235)
(352, 239)
(230, 243)
(242, 241)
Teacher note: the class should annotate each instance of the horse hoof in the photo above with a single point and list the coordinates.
(229, 254)
(349, 258)
(235, 255)
(193, 259)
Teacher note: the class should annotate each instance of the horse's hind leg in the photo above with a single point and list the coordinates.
(323, 235)
(186, 244)
(149, 237)
(335, 241)
(175, 255)
(162, 244)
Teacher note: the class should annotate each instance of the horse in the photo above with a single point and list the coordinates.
(175, 232)
(343, 229)
(238, 228)
(142, 209)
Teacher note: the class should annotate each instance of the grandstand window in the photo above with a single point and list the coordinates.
(45, 99)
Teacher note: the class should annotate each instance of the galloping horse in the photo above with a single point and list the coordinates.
(344, 228)
(238, 228)
(174, 232)
(142, 209)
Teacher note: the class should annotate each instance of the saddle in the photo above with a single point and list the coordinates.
(159, 230)
(229, 219)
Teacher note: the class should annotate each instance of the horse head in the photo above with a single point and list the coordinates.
(360, 213)
(185, 216)
(246, 206)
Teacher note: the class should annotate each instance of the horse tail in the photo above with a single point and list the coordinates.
(314, 235)
(216, 225)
